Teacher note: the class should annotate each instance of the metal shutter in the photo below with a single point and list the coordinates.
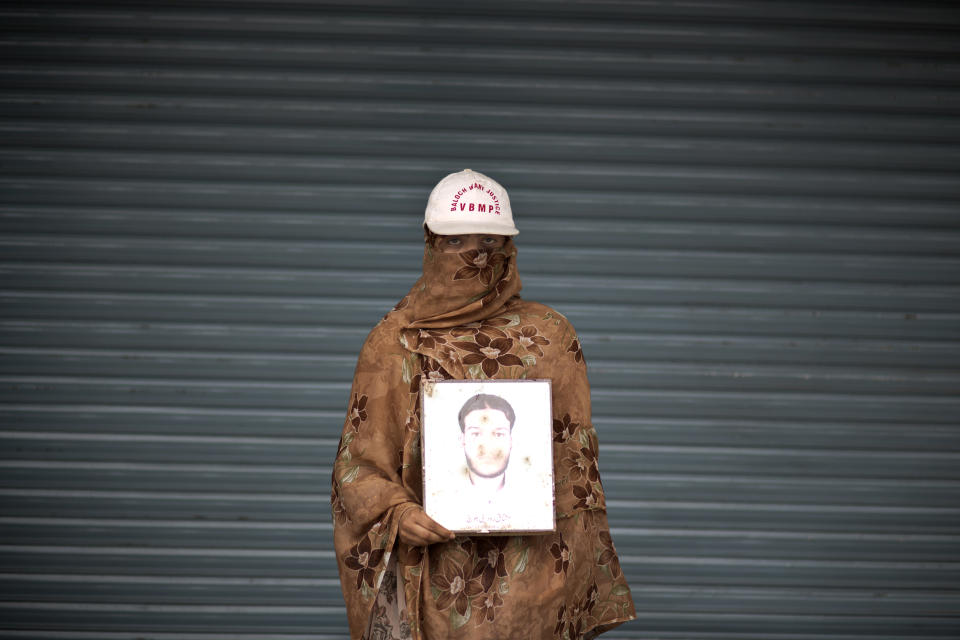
(748, 210)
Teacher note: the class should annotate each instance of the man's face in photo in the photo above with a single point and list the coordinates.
(486, 442)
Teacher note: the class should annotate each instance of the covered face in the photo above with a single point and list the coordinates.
(487, 441)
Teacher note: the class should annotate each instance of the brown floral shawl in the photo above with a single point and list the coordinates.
(463, 319)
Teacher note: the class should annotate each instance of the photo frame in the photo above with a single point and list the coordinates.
(487, 451)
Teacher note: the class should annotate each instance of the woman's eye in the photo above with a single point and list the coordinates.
(453, 241)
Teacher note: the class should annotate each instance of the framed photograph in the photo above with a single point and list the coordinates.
(488, 455)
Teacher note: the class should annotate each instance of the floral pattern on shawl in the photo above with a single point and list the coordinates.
(491, 327)
(481, 265)
(472, 588)
(363, 559)
(561, 553)
(357, 411)
(489, 353)
(529, 339)
(563, 428)
(430, 370)
(487, 607)
(455, 587)
(583, 464)
(608, 555)
(491, 561)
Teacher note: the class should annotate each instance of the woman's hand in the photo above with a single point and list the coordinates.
(417, 529)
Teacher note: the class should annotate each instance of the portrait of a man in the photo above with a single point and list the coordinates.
(487, 458)
(486, 426)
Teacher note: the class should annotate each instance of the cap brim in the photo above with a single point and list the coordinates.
(457, 227)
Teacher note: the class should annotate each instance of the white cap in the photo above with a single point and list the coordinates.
(469, 202)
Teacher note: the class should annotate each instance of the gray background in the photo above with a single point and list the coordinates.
(748, 210)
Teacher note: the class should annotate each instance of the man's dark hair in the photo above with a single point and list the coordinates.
(486, 401)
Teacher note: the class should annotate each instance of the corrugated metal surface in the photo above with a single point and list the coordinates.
(748, 210)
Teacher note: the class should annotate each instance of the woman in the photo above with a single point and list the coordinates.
(404, 575)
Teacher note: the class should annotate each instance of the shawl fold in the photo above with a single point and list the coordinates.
(463, 319)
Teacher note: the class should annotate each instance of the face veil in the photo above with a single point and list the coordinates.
(459, 288)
